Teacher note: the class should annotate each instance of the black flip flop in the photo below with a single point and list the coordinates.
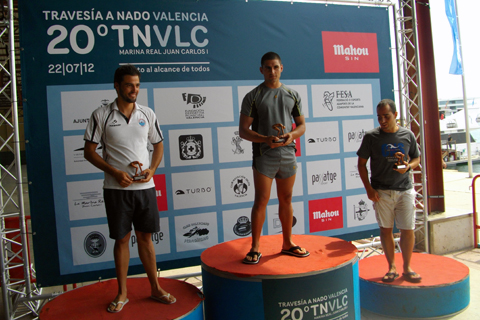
(410, 277)
(390, 277)
(252, 254)
(292, 252)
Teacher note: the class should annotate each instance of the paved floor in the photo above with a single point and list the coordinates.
(458, 200)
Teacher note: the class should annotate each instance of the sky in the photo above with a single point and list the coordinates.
(450, 86)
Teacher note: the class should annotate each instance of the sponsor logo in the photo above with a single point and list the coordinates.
(354, 173)
(360, 211)
(344, 99)
(236, 141)
(81, 120)
(243, 227)
(327, 100)
(196, 232)
(78, 155)
(325, 214)
(89, 199)
(85, 120)
(114, 123)
(95, 244)
(356, 136)
(191, 147)
(194, 190)
(323, 139)
(240, 186)
(142, 122)
(350, 52)
(324, 178)
(156, 238)
(277, 224)
(389, 150)
(196, 101)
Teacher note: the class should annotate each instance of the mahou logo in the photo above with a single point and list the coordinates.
(325, 214)
(350, 52)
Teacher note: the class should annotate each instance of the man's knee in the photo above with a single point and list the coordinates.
(407, 233)
(386, 231)
(123, 241)
(143, 237)
(261, 199)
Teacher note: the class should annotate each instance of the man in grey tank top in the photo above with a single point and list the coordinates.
(267, 117)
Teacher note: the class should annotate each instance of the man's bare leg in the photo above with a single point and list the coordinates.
(285, 211)
(121, 254)
(407, 242)
(263, 185)
(146, 252)
(388, 245)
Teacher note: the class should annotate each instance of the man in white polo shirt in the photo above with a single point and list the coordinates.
(124, 129)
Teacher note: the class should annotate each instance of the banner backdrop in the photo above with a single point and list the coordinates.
(198, 59)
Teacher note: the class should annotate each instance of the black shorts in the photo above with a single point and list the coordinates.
(125, 207)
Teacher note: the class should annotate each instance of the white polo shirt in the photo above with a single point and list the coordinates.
(124, 140)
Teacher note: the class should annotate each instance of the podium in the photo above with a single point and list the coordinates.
(324, 285)
(444, 289)
(91, 302)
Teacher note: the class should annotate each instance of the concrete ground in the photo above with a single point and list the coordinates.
(458, 200)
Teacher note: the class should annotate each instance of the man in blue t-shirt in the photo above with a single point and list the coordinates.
(393, 152)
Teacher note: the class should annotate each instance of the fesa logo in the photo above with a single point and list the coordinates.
(325, 214)
(350, 52)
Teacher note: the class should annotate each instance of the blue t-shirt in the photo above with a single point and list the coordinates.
(380, 147)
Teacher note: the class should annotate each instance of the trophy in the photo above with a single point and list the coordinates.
(138, 170)
(279, 127)
(399, 164)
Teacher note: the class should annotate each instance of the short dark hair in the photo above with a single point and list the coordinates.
(125, 70)
(270, 56)
(388, 102)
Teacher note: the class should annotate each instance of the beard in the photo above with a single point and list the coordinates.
(126, 98)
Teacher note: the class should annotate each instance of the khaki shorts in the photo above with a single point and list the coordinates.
(396, 206)
(280, 163)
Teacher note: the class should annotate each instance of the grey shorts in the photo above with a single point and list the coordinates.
(127, 207)
(396, 206)
(278, 163)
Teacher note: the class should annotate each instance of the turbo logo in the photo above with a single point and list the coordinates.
(323, 139)
(193, 191)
